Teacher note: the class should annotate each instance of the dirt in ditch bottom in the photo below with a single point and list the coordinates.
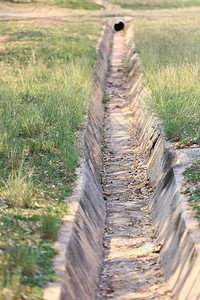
(131, 267)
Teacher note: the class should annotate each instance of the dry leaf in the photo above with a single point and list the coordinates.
(80, 127)
(107, 194)
(157, 249)
(27, 288)
(110, 291)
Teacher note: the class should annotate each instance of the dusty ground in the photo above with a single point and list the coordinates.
(44, 10)
(36, 10)
(131, 267)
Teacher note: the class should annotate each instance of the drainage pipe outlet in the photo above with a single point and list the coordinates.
(118, 26)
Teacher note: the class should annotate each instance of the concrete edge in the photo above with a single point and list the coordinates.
(79, 244)
(174, 221)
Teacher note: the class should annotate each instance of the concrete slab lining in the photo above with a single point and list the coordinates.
(78, 264)
(177, 229)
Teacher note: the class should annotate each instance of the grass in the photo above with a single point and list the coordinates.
(45, 90)
(192, 176)
(78, 4)
(72, 4)
(50, 226)
(155, 4)
(169, 52)
(18, 190)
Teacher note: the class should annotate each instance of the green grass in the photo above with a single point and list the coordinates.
(45, 89)
(78, 4)
(18, 191)
(170, 53)
(155, 4)
(50, 226)
(192, 176)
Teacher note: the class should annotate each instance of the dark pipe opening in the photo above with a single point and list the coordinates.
(119, 26)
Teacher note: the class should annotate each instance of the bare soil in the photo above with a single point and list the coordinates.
(38, 10)
(46, 10)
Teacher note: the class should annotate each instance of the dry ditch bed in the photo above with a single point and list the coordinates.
(176, 228)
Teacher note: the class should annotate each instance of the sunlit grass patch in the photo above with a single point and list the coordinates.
(44, 108)
(174, 96)
(169, 53)
(50, 42)
(45, 90)
(155, 4)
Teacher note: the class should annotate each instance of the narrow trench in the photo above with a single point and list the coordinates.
(131, 267)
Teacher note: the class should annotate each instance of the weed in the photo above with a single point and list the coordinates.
(187, 142)
(105, 98)
(193, 172)
(12, 283)
(105, 197)
(50, 226)
(22, 258)
(18, 191)
(192, 175)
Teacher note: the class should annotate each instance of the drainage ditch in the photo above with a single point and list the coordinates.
(132, 255)
(131, 267)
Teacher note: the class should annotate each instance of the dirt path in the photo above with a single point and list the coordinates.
(131, 265)
(45, 11)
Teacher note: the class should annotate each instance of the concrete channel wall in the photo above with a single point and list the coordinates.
(174, 221)
(78, 264)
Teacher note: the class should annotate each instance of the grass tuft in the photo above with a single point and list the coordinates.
(50, 226)
(18, 190)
